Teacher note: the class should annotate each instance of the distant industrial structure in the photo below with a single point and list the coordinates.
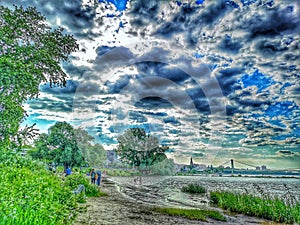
(230, 169)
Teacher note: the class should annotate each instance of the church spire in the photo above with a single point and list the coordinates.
(191, 162)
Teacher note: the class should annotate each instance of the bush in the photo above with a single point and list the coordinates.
(29, 194)
(91, 190)
(194, 189)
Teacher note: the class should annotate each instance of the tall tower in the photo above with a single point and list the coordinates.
(191, 162)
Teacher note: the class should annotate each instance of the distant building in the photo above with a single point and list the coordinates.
(263, 167)
(257, 168)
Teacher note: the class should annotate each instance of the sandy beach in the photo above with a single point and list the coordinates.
(119, 209)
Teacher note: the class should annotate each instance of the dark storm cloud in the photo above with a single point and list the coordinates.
(192, 19)
(118, 85)
(230, 45)
(76, 72)
(275, 21)
(227, 80)
(153, 102)
(137, 117)
(144, 12)
(162, 70)
(72, 14)
(157, 114)
(111, 57)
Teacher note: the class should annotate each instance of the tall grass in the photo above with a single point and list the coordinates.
(29, 194)
(194, 189)
(274, 209)
(195, 214)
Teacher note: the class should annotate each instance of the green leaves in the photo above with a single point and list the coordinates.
(136, 148)
(30, 53)
(59, 146)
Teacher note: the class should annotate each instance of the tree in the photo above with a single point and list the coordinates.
(59, 145)
(30, 53)
(94, 154)
(139, 149)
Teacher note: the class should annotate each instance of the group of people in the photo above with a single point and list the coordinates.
(95, 177)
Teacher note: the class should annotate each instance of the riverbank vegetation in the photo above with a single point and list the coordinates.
(194, 189)
(275, 209)
(32, 195)
(193, 214)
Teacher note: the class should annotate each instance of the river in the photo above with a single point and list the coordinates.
(166, 191)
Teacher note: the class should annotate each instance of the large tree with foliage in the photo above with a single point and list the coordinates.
(59, 146)
(30, 53)
(140, 149)
(94, 154)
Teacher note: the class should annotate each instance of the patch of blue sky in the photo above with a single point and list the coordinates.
(277, 123)
(282, 89)
(119, 4)
(258, 79)
(295, 133)
(291, 68)
(179, 3)
(200, 2)
(171, 120)
(198, 55)
(105, 139)
(212, 67)
(233, 3)
(285, 109)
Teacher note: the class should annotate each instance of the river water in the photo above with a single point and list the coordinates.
(166, 191)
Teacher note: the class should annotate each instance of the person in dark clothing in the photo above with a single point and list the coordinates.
(98, 178)
(93, 176)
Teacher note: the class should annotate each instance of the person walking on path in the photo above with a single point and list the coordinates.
(93, 176)
(98, 181)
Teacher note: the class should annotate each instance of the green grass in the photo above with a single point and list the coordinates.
(193, 214)
(29, 194)
(194, 189)
(273, 209)
(122, 173)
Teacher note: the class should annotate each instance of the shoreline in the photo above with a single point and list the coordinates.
(119, 209)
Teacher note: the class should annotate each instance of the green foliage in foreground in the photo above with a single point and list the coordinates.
(194, 189)
(91, 190)
(267, 208)
(29, 194)
(194, 214)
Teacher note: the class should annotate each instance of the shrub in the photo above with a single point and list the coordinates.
(29, 194)
(194, 189)
(91, 190)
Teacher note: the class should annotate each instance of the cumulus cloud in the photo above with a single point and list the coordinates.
(212, 80)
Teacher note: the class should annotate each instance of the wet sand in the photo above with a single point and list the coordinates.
(117, 208)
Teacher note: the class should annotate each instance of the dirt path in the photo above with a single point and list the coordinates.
(119, 210)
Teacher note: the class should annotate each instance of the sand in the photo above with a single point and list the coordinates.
(118, 209)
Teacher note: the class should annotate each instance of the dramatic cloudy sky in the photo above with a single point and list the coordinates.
(212, 79)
